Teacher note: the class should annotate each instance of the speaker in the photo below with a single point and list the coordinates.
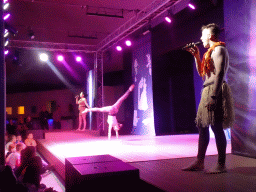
(98, 173)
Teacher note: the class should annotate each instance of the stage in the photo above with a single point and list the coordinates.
(158, 158)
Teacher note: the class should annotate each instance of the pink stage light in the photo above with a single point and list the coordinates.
(78, 59)
(6, 6)
(168, 19)
(7, 16)
(118, 48)
(128, 43)
(60, 58)
(6, 52)
(191, 6)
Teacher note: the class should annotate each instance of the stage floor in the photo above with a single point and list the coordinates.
(159, 159)
(132, 148)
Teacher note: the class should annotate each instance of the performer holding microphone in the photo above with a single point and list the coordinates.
(216, 105)
(82, 105)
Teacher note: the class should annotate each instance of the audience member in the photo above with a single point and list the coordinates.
(7, 179)
(29, 123)
(20, 141)
(22, 128)
(11, 128)
(43, 118)
(30, 141)
(11, 149)
(13, 160)
(29, 171)
(12, 140)
(57, 118)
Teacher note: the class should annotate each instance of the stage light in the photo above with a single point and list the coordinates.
(6, 33)
(6, 16)
(43, 57)
(78, 59)
(128, 43)
(6, 42)
(191, 6)
(60, 58)
(168, 17)
(118, 48)
(10, 28)
(6, 6)
(6, 52)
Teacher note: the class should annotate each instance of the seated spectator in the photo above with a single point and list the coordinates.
(13, 160)
(29, 123)
(11, 149)
(30, 141)
(29, 171)
(7, 179)
(19, 140)
(11, 141)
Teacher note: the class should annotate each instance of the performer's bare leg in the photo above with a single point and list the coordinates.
(84, 120)
(97, 109)
(80, 122)
(123, 97)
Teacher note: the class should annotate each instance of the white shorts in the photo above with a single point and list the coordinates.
(112, 120)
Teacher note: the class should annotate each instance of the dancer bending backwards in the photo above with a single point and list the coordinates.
(112, 112)
(82, 104)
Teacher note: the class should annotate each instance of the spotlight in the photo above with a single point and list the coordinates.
(6, 42)
(6, 33)
(6, 52)
(168, 17)
(191, 6)
(128, 43)
(118, 48)
(10, 28)
(60, 58)
(6, 6)
(6, 16)
(43, 57)
(78, 59)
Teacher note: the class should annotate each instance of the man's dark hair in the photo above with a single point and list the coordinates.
(215, 29)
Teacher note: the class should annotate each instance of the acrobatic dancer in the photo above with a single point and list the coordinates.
(112, 112)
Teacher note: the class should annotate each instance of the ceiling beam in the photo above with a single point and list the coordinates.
(146, 15)
(48, 46)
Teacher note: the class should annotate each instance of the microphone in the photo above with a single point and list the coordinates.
(77, 96)
(191, 45)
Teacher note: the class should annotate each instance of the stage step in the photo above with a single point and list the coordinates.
(98, 173)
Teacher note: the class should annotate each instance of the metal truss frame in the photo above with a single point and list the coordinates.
(143, 17)
(98, 70)
(52, 46)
